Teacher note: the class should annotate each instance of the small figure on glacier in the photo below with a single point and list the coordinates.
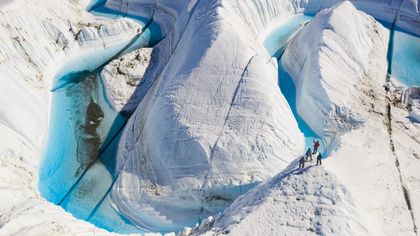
(308, 154)
(318, 159)
(302, 162)
(316, 146)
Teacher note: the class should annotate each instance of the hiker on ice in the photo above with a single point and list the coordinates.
(308, 154)
(318, 159)
(302, 162)
(316, 146)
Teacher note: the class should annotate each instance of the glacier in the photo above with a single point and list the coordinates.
(208, 121)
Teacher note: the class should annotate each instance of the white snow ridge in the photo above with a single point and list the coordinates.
(187, 130)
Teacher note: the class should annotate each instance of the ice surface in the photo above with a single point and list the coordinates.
(36, 36)
(276, 41)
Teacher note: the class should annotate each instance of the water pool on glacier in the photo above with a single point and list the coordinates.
(405, 63)
(276, 41)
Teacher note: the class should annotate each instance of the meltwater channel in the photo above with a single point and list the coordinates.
(77, 168)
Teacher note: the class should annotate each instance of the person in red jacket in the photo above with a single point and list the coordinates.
(316, 146)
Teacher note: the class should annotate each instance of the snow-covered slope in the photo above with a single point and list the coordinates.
(349, 71)
(295, 202)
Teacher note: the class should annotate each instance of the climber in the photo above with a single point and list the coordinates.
(302, 162)
(308, 154)
(318, 159)
(316, 146)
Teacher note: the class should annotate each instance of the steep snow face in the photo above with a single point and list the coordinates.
(327, 69)
(295, 202)
(181, 156)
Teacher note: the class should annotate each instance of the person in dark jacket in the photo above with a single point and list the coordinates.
(318, 159)
(308, 154)
(316, 146)
(302, 162)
